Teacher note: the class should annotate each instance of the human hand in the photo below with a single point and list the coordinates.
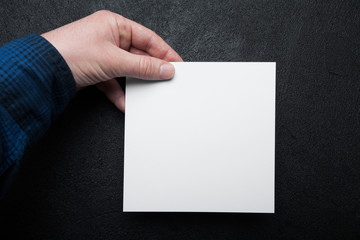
(105, 45)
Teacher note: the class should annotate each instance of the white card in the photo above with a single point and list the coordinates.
(203, 141)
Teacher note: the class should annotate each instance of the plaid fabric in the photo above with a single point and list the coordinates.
(36, 84)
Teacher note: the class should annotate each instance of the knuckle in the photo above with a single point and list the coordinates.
(103, 13)
(121, 23)
(127, 25)
(145, 67)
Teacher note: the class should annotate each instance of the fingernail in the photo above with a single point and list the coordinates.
(167, 71)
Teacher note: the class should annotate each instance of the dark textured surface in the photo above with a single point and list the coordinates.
(70, 185)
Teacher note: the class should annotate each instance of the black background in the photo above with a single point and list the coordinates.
(70, 184)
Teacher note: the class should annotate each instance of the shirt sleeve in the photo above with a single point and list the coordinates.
(36, 84)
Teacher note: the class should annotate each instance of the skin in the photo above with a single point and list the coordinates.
(105, 45)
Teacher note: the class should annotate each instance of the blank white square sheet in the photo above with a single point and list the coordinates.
(203, 141)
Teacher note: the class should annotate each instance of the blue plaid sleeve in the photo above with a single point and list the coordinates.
(36, 84)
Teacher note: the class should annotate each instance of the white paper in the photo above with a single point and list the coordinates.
(203, 141)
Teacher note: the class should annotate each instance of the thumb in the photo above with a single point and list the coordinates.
(145, 67)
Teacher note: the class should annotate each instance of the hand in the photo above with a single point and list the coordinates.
(105, 45)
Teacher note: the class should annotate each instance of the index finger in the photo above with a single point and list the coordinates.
(148, 41)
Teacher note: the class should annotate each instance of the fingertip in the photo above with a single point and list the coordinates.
(167, 71)
(177, 58)
(120, 103)
(114, 93)
(173, 56)
(123, 104)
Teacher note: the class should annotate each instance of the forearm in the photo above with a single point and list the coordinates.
(35, 86)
